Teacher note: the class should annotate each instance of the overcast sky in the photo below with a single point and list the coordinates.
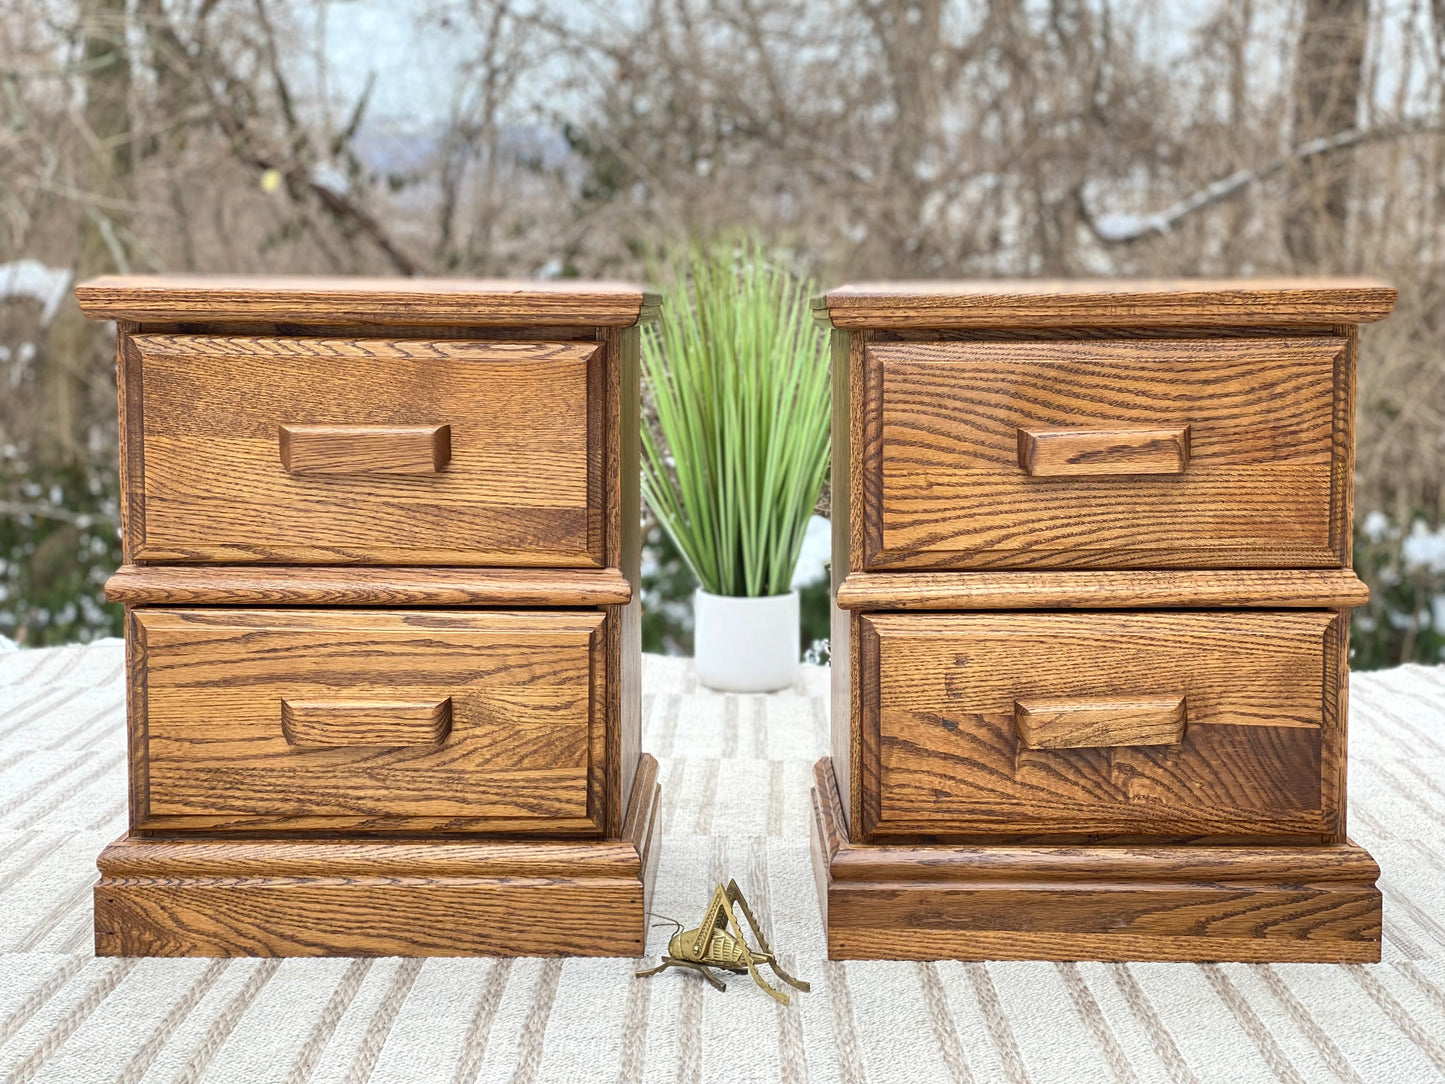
(415, 57)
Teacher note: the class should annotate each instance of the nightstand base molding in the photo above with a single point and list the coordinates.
(372, 897)
(1261, 904)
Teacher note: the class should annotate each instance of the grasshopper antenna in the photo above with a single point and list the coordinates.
(676, 925)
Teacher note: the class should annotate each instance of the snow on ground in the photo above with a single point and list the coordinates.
(31, 279)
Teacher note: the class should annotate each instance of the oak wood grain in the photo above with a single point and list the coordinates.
(1342, 459)
(624, 351)
(322, 328)
(523, 485)
(1068, 453)
(418, 916)
(1101, 303)
(866, 810)
(857, 428)
(522, 752)
(346, 724)
(1329, 588)
(276, 897)
(366, 301)
(130, 385)
(640, 818)
(1080, 903)
(310, 585)
(944, 489)
(1335, 691)
(1099, 724)
(133, 858)
(137, 657)
(1038, 333)
(365, 449)
(1229, 840)
(642, 824)
(845, 514)
(123, 331)
(947, 760)
(842, 734)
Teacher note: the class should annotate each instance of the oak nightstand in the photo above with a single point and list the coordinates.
(381, 543)
(1092, 581)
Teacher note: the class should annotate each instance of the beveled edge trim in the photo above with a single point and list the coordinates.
(1106, 303)
(132, 858)
(828, 808)
(321, 585)
(642, 803)
(301, 299)
(1331, 588)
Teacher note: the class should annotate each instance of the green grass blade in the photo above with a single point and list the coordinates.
(737, 378)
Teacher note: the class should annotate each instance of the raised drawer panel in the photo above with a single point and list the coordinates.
(1058, 726)
(368, 720)
(380, 451)
(1142, 453)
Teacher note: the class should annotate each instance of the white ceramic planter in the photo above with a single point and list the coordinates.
(745, 645)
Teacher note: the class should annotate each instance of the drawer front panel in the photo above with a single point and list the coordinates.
(368, 720)
(1148, 453)
(402, 452)
(1060, 726)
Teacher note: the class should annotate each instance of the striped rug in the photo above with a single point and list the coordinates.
(736, 773)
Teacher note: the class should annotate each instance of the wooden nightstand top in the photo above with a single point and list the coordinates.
(304, 299)
(1107, 303)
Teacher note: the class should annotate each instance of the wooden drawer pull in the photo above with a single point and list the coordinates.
(365, 449)
(1098, 724)
(331, 724)
(1062, 453)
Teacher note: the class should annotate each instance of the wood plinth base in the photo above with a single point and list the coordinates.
(369, 897)
(1275, 904)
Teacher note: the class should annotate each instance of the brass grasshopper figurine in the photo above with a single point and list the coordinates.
(711, 945)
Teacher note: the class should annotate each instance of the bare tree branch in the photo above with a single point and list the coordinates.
(1125, 228)
(298, 170)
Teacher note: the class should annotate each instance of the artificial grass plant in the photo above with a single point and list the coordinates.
(736, 372)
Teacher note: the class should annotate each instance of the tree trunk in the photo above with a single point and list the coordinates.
(1326, 100)
(908, 36)
(103, 172)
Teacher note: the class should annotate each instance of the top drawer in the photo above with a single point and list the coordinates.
(401, 452)
(1141, 453)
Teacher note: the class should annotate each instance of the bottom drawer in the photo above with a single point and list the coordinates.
(1086, 726)
(367, 720)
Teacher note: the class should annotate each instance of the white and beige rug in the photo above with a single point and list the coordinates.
(736, 772)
